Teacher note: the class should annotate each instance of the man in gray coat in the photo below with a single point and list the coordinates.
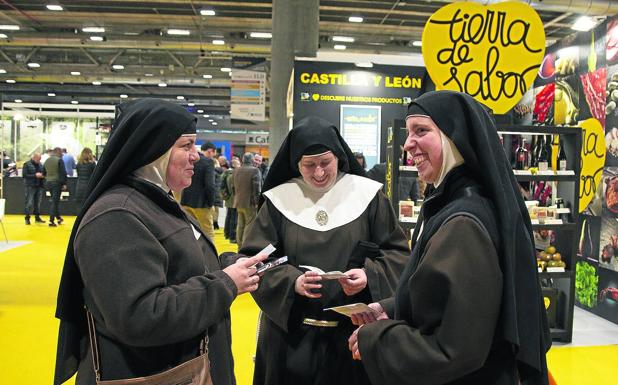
(247, 187)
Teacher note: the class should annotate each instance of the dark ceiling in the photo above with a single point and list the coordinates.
(136, 37)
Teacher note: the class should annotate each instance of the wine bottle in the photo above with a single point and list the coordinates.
(562, 160)
(543, 159)
(521, 156)
(535, 152)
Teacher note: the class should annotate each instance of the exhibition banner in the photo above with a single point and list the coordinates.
(248, 95)
(492, 53)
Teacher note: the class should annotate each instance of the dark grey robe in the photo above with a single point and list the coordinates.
(289, 352)
(153, 289)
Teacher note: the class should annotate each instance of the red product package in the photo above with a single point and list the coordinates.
(594, 88)
(611, 49)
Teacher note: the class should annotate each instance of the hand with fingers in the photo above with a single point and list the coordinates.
(353, 344)
(355, 282)
(377, 314)
(308, 285)
(243, 273)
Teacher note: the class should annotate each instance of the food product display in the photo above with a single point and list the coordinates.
(549, 257)
(586, 282)
(612, 94)
(548, 68)
(593, 85)
(543, 103)
(610, 250)
(611, 44)
(611, 193)
(611, 141)
(566, 102)
(566, 65)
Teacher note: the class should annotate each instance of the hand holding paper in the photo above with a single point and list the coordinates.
(325, 275)
(354, 282)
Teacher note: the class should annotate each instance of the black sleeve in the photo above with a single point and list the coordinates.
(62, 172)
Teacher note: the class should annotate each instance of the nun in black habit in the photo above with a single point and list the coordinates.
(143, 268)
(320, 211)
(468, 308)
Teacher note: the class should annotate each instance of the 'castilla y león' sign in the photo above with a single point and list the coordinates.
(489, 52)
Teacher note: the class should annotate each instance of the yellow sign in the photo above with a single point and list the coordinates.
(593, 159)
(491, 53)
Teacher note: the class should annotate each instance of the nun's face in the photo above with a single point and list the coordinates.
(180, 167)
(424, 146)
(319, 170)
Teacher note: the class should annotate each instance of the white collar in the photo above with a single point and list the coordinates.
(343, 203)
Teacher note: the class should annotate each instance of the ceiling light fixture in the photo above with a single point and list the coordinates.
(178, 32)
(74, 102)
(584, 23)
(96, 83)
(261, 35)
(339, 47)
(214, 123)
(9, 27)
(343, 39)
(200, 111)
(364, 64)
(18, 100)
(3, 36)
(206, 76)
(33, 65)
(10, 81)
(54, 7)
(226, 69)
(118, 67)
(355, 19)
(207, 12)
(180, 97)
(93, 29)
(191, 104)
(96, 38)
(148, 75)
(75, 73)
(51, 94)
(417, 43)
(124, 96)
(204, 115)
(2, 71)
(218, 42)
(162, 84)
(211, 120)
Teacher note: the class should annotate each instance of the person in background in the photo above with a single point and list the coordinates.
(227, 193)
(69, 162)
(247, 186)
(407, 187)
(55, 183)
(318, 210)
(85, 169)
(360, 158)
(156, 292)
(218, 202)
(32, 172)
(258, 162)
(198, 198)
(468, 307)
(46, 155)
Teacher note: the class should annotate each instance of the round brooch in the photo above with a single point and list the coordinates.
(321, 217)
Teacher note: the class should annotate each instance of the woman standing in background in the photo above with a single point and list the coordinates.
(85, 169)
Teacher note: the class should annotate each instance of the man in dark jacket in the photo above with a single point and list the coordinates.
(199, 198)
(56, 180)
(33, 184)
(247, 187)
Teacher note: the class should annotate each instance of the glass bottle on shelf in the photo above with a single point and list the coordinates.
(562, 160)
(521, 156)
(543, 156)
(534, 153)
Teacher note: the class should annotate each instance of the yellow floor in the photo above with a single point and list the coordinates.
(29, 277)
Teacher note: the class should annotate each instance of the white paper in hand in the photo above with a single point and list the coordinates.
(354, 308)
(324, 274)
(268, 250)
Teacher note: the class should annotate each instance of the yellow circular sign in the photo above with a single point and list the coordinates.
(592, 161)
(492, 53)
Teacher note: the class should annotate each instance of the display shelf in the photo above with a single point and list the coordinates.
(549, 178)
(509, 129)
(563, 226)
(564, 274)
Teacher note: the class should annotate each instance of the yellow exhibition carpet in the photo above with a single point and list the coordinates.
(29, 275)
